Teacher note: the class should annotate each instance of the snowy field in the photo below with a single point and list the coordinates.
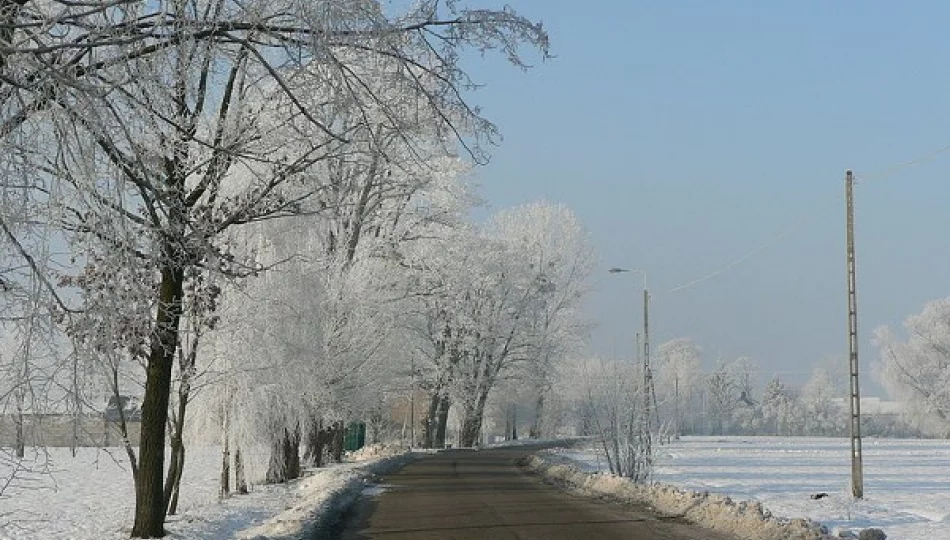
(906, 482)
(91, 497)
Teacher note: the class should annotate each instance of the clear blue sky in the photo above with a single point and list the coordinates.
(688, 134)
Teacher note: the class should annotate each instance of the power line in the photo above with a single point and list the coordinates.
(880, 174)
(769, 243)
(883, 173)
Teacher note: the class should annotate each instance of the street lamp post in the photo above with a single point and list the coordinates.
(645, 422)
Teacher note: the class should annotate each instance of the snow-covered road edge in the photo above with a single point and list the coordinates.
(746, 520)
(323, 500)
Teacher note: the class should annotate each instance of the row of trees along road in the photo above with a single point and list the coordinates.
(159, 142)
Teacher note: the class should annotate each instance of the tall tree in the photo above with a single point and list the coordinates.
(677, 374)
(181, 119)
(823, 416)
(916, 368)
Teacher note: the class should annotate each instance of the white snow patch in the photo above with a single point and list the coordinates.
(92, 497)
(745, 520)
(906, 485)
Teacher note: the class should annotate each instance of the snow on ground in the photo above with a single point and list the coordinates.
(906, 482)
(91, 497)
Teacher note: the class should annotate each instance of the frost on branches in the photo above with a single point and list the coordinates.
(916, 369)
(492, 303)
(175, 122)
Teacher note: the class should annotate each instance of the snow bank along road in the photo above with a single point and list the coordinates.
(478, 494)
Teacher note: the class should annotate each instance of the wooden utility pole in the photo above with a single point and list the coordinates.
(647, 385)
(857, 472)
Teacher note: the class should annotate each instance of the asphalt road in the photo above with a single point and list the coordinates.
(467, 494)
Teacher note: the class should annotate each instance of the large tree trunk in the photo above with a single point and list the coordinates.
(316, 444)
(471, 428)
(292, 453)
(429, 425)
(276, 467)
(534, 431)
(284, 462)
(472, 416)
(225, 487)
(240, 482)
(441, 421)
(434, 429)
(514, 421)
(336, 443)
(149, 494)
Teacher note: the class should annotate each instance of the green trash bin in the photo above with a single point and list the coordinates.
(355, 437)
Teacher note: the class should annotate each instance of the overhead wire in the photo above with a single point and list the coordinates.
(889, 171)
(769, 243)
(880, 174)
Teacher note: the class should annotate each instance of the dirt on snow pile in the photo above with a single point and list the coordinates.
(749, 521)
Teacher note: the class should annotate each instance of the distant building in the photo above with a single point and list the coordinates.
(62, 428)
(875, 406)
(129, 406)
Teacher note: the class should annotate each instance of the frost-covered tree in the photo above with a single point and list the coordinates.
(491, 302)
(778, 408)
(730, 403)
(496, 302)
(747, 416)
(722, 388)
(180, 119)
(677, 376)
(823, 416)
(32, 349)
(613, 399)
(552, 238)
(916, 368)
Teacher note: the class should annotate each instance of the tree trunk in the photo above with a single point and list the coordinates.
(292, 452)
(430, 425)
(174, 464)
(323, 442)
(376, 423)
(186, 368)
(435, 424)
(336, 445)
(514, 422)
(77, 409)
(471, 427)
(534, 431)
(177, 460)
(472, 417)
(225, 489)
(240, 482)
(277, 466)
(315, 445)
(149, 495)
(284, 462)
(441, 421)
(176, 482)
(19, 444)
